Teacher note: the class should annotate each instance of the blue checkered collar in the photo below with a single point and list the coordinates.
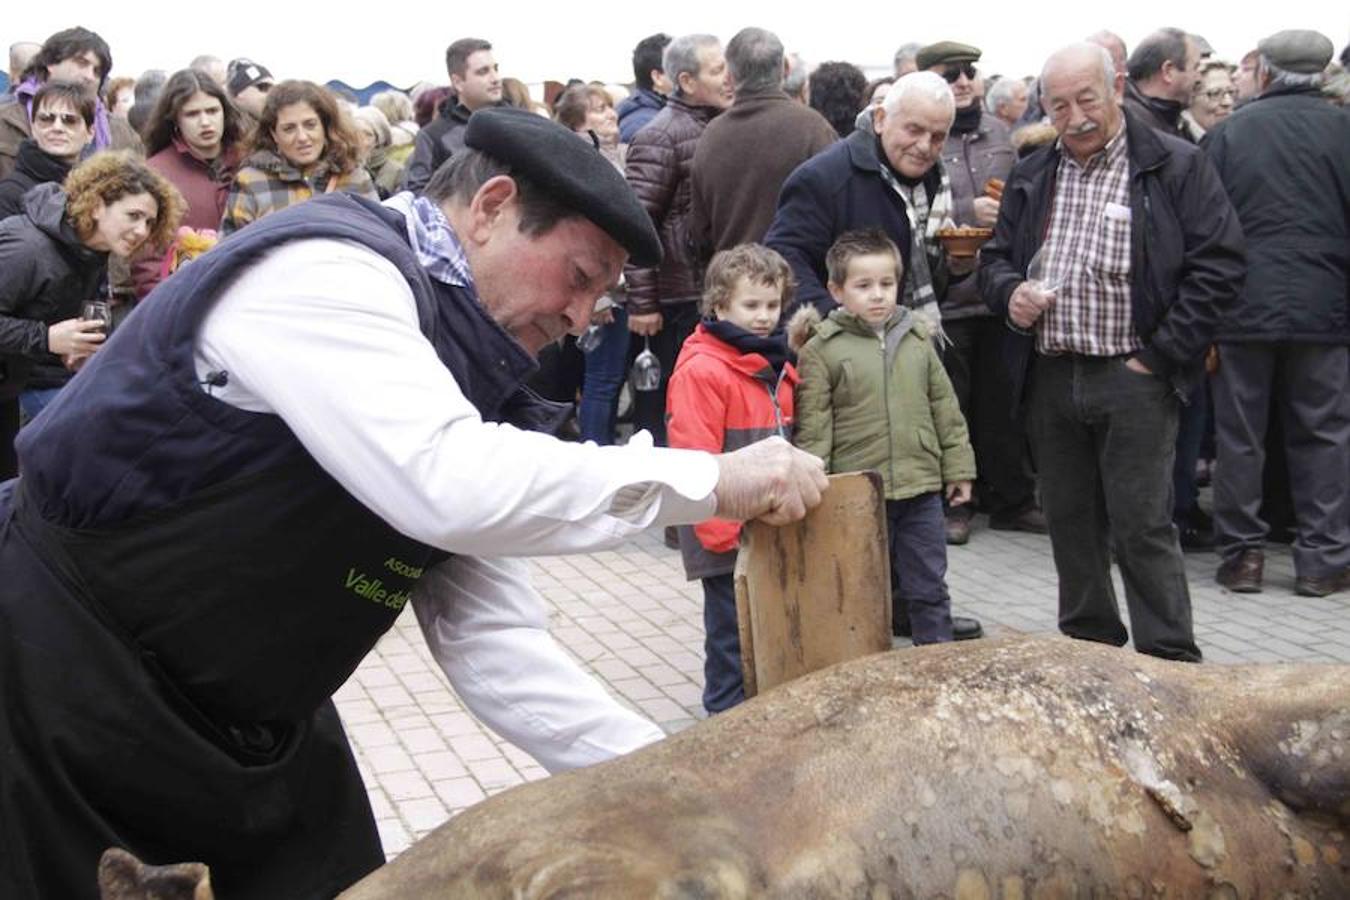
(433, 240)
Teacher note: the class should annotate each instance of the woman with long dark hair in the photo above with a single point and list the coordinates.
(194, 138)
(302, 146)
(52, 259)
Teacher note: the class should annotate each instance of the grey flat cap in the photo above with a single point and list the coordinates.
(1302, 52)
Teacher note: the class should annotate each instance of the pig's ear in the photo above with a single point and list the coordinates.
(122, 876)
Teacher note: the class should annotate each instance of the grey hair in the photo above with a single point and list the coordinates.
(1103, 58)
(377, 120)
(21, 54)
(1001, 92)
(682, 55)
(755, 58)
(1283, 78)
(925, 85)
(1162, 46)
(795, 79)
(394, 104)
(907, 52)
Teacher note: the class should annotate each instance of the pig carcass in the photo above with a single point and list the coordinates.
(1022, 768)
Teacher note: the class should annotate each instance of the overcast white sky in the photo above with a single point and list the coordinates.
(404, 42)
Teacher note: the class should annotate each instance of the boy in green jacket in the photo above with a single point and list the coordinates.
(873, 395)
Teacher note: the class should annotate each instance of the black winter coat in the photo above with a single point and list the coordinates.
(1284, 159)
(32, 167)
(1186, 251)
(46, 275)
(839, 189)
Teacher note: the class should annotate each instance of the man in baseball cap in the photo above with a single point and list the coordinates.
(248, 83)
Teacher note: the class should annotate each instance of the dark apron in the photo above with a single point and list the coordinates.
(191, 720)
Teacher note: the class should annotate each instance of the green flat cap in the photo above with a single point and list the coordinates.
(946, 52)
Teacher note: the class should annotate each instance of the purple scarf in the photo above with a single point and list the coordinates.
(102, 133)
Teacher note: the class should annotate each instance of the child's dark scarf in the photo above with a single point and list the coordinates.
(773, 348)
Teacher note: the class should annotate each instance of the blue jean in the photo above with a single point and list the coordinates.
(723, 682)
(35, 400)
(918, 543)
(606, 367)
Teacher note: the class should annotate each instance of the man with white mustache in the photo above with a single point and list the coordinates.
(1141, 251)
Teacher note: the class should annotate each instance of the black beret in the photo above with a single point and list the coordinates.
(571, 170)
(946, 52)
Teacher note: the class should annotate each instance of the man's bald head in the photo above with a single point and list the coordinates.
(1081, 92)
(20, 55)
(1113, 44)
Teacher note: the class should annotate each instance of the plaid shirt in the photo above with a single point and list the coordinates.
(1088, 243)
(266, 183)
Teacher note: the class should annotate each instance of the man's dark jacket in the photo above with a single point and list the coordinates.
(839, 190)
(442, 138)
(734, 197)
(1186, 251)
(1284, 159)
(636, 110)
(657, 168)
(1156, 112)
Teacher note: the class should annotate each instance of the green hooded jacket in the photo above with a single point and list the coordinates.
(881, 401)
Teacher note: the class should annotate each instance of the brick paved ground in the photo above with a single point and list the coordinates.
(630, 616)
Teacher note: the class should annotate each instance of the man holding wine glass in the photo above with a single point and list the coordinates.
(1114, 253)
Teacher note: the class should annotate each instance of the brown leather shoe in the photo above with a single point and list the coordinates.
(1242, 574)
(1312, 586)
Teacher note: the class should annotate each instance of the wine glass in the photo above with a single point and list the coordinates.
(1049, 269)
(98, 311)
(646, 371)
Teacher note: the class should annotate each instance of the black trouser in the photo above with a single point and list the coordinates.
(723, 680)
(1105, 440)
(649, 407)
(1313, 381)
(9, 430)
(918, 545)
(974, 363)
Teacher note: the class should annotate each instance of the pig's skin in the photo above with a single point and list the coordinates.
(1036, 768)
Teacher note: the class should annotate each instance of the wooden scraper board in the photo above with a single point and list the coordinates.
(816, 592)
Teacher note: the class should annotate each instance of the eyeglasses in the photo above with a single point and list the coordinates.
(70, 120)
(1214, 95)
(953, 72)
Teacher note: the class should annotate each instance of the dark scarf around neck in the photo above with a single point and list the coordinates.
(773, 348)
(967, 120)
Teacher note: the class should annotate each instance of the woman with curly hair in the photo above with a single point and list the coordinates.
(53, 258)
(193, 137)
(302, 146)
(838, 92)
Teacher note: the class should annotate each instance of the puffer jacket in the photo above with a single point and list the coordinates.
(46, 275)
(658, 167)
(720, 400)
(971, 160)
(1284, 159)
(267, 182)
(636, 111)
(879, 401)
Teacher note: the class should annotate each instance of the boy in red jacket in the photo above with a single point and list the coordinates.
(732, 386)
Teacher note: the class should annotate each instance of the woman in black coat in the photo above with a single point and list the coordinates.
(63, 125)
(52, 259)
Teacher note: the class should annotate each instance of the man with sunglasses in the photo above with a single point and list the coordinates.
(979, 148)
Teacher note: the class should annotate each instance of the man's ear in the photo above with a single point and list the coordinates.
(490, 205)
(879, 118)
